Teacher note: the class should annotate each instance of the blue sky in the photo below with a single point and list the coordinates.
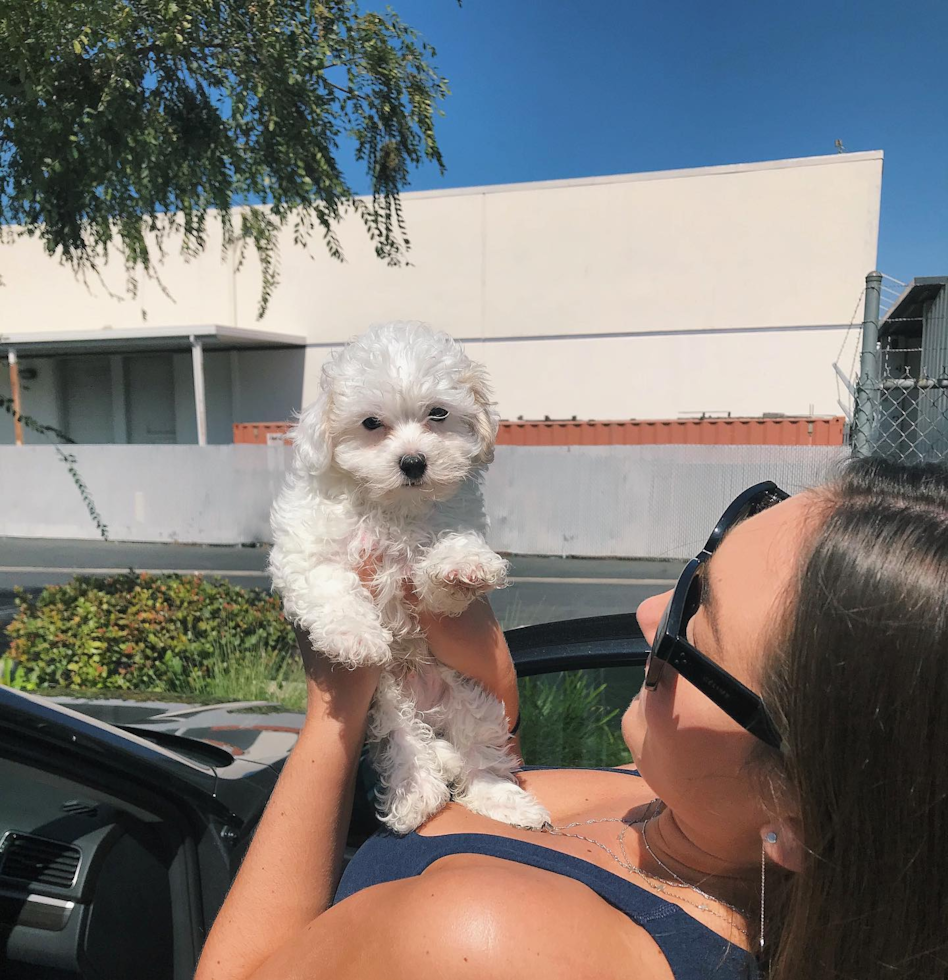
(545, 89)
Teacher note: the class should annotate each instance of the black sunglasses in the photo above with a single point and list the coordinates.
(670, 646)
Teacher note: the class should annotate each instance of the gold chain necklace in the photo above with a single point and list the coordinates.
(654, 882)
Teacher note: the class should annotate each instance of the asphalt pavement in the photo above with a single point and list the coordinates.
(542, 589)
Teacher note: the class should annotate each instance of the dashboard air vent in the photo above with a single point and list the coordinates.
(81, 807)
(38, 860)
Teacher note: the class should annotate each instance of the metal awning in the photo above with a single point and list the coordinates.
(906, 313)
(140, 340)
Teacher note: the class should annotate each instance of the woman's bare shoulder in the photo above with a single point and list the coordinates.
(471, 916)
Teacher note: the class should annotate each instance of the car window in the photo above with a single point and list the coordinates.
(572, 718)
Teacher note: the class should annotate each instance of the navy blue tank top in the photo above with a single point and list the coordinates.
(693, 951)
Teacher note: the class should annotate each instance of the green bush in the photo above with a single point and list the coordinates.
(139, 631)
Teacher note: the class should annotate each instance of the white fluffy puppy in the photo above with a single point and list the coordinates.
(387, 471)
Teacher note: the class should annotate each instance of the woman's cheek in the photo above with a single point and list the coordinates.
(647, 722)
(633, 725)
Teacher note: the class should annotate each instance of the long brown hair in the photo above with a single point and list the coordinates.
(859, 682)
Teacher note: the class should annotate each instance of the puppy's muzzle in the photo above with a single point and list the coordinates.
(413, 466)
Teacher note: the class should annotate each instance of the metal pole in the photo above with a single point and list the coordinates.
(866, 414)
(15, 392)
(200, 407)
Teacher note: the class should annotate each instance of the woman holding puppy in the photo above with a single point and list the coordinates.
(790, 811)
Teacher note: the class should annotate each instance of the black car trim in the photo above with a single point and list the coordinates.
(30, 726)
(190, 748)
(578, 644)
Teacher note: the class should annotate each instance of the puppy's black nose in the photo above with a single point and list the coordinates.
(413, 466)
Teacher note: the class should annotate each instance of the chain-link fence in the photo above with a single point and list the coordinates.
(901, 409)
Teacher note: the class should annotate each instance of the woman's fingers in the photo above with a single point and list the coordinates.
(474, 645)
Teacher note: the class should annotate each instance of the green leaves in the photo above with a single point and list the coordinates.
(140, 632)
(130, 126)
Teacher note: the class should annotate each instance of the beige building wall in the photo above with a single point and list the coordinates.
(640, 295)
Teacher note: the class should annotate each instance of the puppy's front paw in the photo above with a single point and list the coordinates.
(448, 587)
(354, 648)
(409, 805)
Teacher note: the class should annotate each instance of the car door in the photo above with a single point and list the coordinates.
(113, 851)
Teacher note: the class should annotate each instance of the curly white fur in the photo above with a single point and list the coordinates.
(401, 390)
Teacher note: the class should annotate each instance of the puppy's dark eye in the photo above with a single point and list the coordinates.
(372, 422)
(438, 414)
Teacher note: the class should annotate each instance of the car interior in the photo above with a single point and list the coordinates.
(92, 884)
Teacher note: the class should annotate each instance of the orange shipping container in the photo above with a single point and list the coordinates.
(261, 433)
(791, 431)
(797, 431)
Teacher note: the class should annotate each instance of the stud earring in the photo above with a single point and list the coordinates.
(770, 837)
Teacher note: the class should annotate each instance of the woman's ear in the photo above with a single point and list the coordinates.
(783, 843)
(312, 435)
(486, 420)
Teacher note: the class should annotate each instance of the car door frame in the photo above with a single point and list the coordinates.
(578, 644)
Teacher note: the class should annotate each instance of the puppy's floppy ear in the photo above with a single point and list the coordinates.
(311, 435)
(486, 420)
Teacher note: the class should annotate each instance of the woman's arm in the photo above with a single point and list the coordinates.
(289, 874)
(473, 644)
(288, 877)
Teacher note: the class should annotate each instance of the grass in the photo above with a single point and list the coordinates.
(233, 674)
(565, 721)
(568, 719)
(258, 674)
(119, 694)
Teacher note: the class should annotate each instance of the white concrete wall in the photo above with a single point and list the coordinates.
(200, 494)
(640, 295)
(625, 501)
(632, 501)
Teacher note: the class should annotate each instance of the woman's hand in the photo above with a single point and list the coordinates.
(461, 641)
(342, 692)
(473, 644)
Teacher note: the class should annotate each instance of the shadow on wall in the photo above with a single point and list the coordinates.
(269, 385)
(38, 398)
(240, 386)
